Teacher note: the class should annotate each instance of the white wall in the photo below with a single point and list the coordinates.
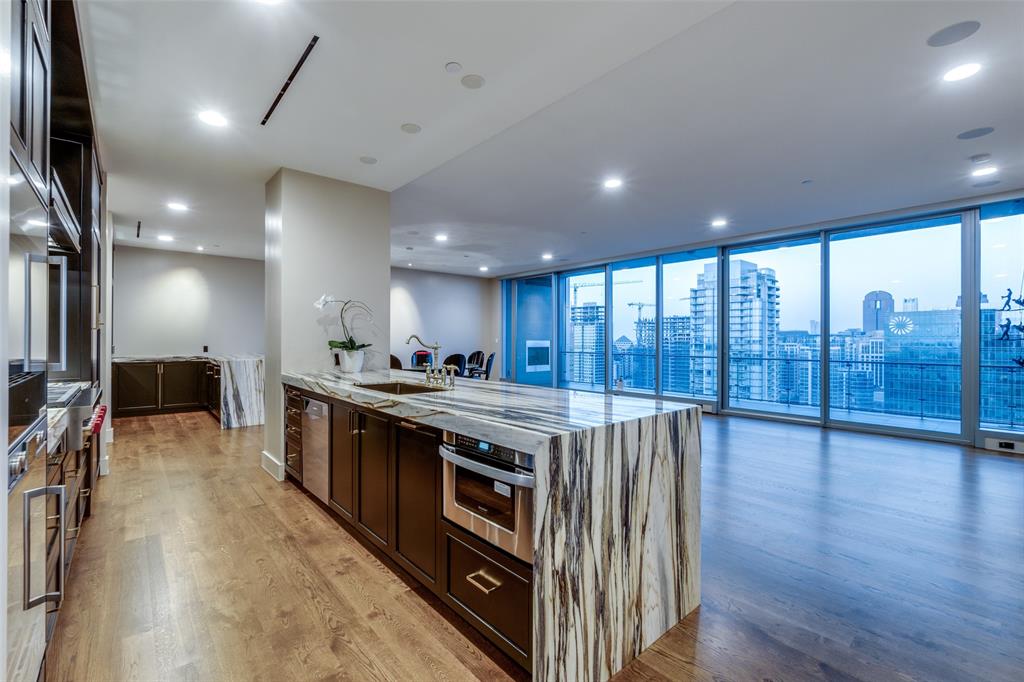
(173, 303)
(322, 236)
(453, 310)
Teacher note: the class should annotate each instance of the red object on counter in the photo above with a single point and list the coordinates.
(97, 418)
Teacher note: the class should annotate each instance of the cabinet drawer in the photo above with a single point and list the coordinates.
(293, 456)
(498, 597)
(293, 415)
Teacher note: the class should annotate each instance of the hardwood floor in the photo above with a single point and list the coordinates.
(827, 555)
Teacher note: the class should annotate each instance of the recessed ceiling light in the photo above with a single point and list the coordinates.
(199, 248)
(410, 265)
(440, 237)
(177, 206)
(165, 238)
(961, 72)
(719, 222)
(546, 256)
(408, 248)
(981, 158)
(453, 67)
(483, 268)
(612, 183)
(368, 160)
(473, 81)
(987, 170)
(213, 118)
(806, 182)
(953, 34)
(411, 128)
(975, 133)
(986, 183)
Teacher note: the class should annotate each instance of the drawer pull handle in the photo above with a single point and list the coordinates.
(356, 432)
(472, 580)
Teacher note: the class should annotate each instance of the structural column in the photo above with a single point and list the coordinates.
(322, 236)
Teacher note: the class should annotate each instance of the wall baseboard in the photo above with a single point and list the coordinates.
(272, 466)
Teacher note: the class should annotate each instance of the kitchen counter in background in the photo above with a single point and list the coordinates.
(616, 519)
(241, 377)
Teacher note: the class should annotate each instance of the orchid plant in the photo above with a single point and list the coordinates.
(348, 307)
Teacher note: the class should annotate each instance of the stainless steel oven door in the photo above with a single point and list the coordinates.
(493, 503)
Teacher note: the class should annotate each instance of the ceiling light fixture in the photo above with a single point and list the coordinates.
(953, 34)
(982, 172)
(719, 222)
(440, 237)
(453, 67)
(199, 248)
(975, 133)
(981, 158)
(411, 128)
(410, 265)
(546, 256)
(612, 183)
(472, 81)
(165, 238)
(961, 72)
(213, 118)
(368, 160)
(483, 268)
(177, 206)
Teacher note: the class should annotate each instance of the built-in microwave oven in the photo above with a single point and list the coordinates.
(488, 490)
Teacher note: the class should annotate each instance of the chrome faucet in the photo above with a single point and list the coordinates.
(436, 374)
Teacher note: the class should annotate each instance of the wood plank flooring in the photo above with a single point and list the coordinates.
(827, 555)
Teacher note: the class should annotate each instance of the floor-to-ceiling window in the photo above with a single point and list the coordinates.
(534, 345)
(774, 327)
(634, 325)
(1001, 273)
(582, 320)
(689, 328)
(894, 325)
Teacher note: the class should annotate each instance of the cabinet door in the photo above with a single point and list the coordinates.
(343, 443)
(372, 470)
(417, 489)
(19, 81)
(182, 384)
(136, 388)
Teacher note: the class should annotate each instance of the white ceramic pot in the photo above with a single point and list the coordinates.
(349, 360)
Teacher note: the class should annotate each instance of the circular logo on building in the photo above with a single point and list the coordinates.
(900, 325)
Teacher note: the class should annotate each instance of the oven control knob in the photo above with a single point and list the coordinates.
(16, 465)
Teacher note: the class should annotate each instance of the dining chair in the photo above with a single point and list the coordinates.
(421, 358)
(396, 363)
(484, 371)
(459, 360)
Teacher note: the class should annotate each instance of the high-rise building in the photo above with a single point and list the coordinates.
(922, 364)
(753, 332)
(584, 347)
(704, 333)
(910, 305)
(878, 306)
(676, 345)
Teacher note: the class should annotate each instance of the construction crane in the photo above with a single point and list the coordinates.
(576, 286)
(639, 308)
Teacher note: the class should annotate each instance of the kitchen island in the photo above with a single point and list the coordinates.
(616, 505)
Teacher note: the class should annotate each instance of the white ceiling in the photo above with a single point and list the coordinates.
(153, 65)
(704, 109)
(727, 119)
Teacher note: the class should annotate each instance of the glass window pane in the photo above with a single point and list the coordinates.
(1002, 317)
(774, 330)
(689, 330)
(634, 330)
(534, 330)
(894, 325)
(582, 322)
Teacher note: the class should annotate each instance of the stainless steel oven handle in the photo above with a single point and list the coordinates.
(28, 601)
(521, 480)
(62, 262)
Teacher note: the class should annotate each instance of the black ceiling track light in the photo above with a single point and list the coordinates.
(291, 77)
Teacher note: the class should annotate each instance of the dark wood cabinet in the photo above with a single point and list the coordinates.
(417, 498)
(154, 387)
(373, 470)
(136, 388)
(30, 91)
(344, 440)
(293, 433)
(182, 385)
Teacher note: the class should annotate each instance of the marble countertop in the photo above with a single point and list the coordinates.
(56, 425)
(222, 357)
(514, 415)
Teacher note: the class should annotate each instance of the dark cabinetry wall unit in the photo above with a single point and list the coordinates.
(30, 91)
(141, 388)
(386, 486)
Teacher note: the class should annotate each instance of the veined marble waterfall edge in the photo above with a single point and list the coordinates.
(616, 543)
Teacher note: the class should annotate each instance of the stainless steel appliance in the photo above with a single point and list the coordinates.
(316, 434)
(26, 554)
(28, 301)
(488, 490)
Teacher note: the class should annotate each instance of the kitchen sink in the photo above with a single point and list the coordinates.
(401, 388)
